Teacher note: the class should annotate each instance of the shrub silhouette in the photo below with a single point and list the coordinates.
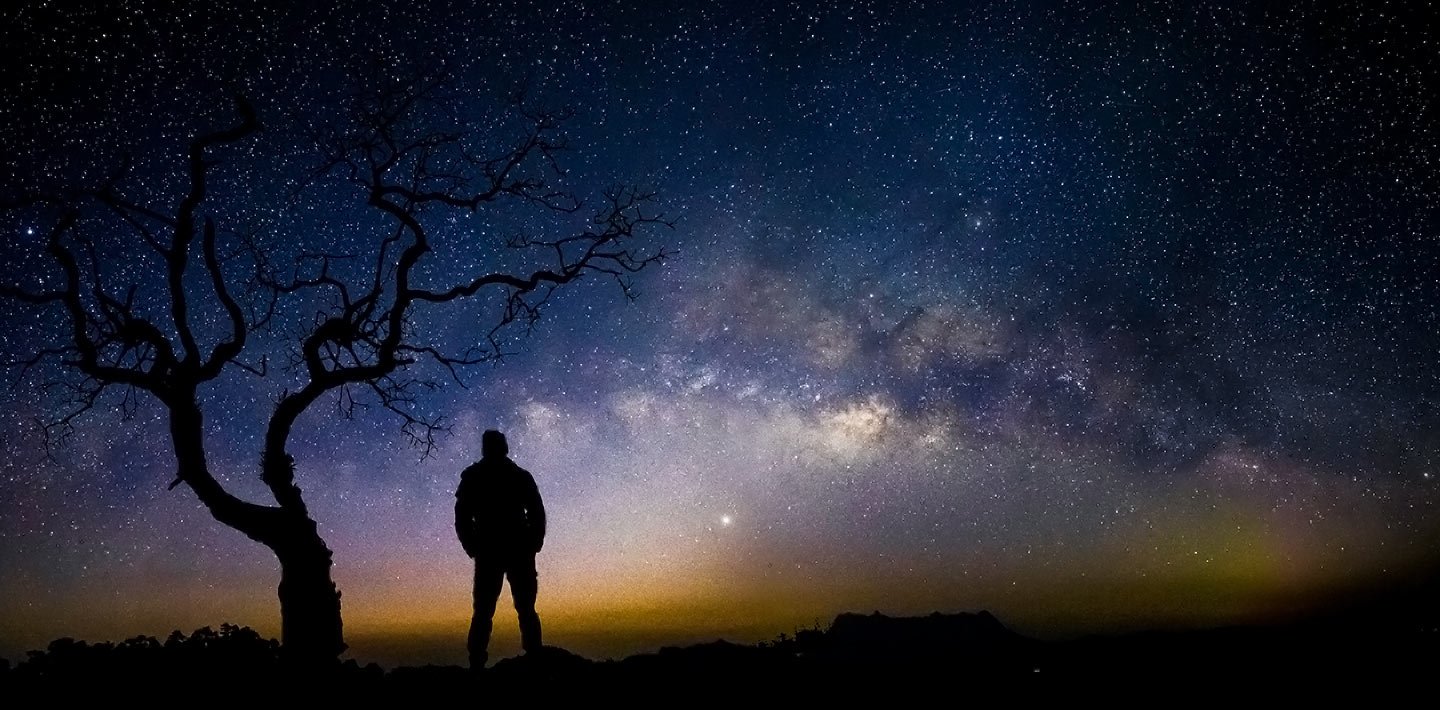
(231, 653)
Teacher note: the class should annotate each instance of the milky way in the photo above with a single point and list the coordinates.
(1093, 317)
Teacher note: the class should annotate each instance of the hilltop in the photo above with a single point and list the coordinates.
(974, 651)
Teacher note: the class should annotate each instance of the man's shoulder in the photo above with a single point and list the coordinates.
(469, 477)
(522, 472)
(491, 467)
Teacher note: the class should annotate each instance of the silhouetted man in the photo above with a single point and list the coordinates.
(501, 524)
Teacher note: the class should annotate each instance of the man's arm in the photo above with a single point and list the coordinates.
(464, 521)
(535, 509)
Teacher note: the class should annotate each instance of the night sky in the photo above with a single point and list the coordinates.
(1093, 316)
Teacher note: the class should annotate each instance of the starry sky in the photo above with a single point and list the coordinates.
(1097, 316)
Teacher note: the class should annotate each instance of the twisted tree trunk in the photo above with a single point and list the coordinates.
(310, 624)
(312, 633)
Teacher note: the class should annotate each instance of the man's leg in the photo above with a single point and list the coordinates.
(524, 585)
(488, 578)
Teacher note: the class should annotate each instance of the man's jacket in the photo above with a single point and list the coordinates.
(498, 510)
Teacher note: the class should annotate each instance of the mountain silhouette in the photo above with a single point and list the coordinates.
(922, 653)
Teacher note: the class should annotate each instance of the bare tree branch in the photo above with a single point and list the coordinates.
(404, 175)
(227, 350)
(178, 254)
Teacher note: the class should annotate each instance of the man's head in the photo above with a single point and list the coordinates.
(493, 445)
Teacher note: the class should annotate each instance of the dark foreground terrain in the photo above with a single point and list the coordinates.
(970, 654)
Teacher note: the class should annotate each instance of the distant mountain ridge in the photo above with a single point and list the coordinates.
(859, 650)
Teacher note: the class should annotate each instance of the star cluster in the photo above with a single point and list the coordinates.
(1093, 316)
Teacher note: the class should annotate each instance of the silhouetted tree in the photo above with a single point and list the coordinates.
(110, 327)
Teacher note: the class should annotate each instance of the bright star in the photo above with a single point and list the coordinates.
(726, 520)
